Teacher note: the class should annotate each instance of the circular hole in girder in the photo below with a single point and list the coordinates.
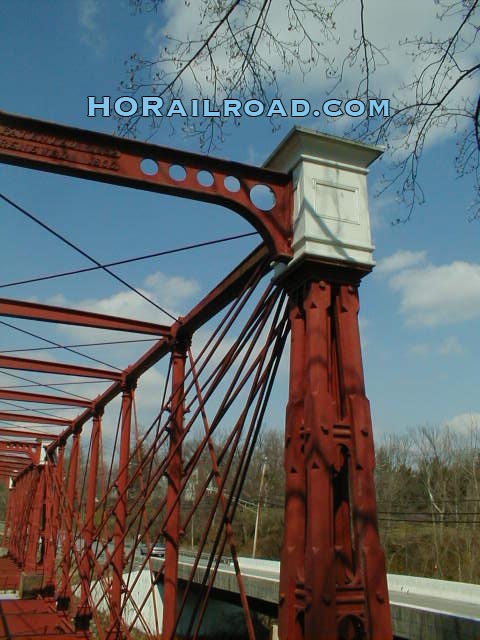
(177, 172)
(232, 184)
(262, 197)
(149, 167)
(205, 178)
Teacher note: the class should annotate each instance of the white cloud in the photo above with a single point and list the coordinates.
(420, 349)
(402, 259)
(149, 392)
(171, 289)
(175, 294)
(464, 422)
(432, 295)
(169, 292)
(92, 36)
(435, 295)
(451, 346)
(184, 20)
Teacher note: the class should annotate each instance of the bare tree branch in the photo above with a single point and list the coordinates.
(247, 48)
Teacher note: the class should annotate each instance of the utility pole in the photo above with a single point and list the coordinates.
(260, 495)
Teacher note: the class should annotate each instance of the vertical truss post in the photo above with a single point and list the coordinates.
(50, 528)
(9, 515)
(174, 474)
(63, 601)
(22, 519)
(332, 575)
(37, 475)
(57, 480)
(118, 554)
(15, 524)
(55, 485)
(84, 613)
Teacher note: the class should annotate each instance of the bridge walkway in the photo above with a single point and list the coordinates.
(30, 617)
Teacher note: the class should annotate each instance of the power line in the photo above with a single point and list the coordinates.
(129, 260)
(84, 344)
(427, 522)
(428, 513)
(58, 384)
(59, 346)
(23, 408)
(31, 430)
(48, 386)
(83, 253)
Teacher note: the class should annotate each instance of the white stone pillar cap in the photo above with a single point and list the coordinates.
(331, 220)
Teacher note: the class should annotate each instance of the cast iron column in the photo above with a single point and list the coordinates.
(332, 579)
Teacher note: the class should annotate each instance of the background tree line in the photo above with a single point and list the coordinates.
(428, 501)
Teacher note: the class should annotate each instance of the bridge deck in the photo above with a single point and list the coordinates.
(30, 618)
(421, 607)
(9, 575)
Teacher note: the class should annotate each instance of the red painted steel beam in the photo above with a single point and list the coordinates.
(61, 315)
(11, 467)
(15, 433)
(17, 446)
(11, 470)
(15, 462)
(7, 455)
(13, 459)
(19, 452)
(43, 366)
(22, 396)
(25, 417)
(60, 149)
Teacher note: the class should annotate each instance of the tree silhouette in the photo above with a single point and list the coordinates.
(248, 48)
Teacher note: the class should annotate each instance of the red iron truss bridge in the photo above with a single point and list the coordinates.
(79, 512)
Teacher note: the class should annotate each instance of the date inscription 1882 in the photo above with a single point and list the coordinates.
(47, 146)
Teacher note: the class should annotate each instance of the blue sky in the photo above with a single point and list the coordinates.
(420, 307)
